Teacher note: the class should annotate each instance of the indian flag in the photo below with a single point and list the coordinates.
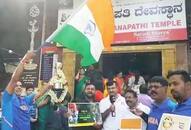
(88, 31)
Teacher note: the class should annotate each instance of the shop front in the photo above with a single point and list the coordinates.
(150, 37)
(150, 60)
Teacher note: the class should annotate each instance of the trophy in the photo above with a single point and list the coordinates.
(59, 83)
(30, 74)
(34, 12)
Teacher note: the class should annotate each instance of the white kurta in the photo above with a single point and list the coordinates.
(146, 110)
(121, 110)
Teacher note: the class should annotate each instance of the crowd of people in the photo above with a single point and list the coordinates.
(119, 98)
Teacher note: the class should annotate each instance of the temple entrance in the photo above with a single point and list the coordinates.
(147, 63)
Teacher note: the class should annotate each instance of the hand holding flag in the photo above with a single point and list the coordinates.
(88, 31)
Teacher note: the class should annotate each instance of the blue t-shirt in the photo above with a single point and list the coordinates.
(156, 113)
(183, 108)
(33, 110)
(15, 112)
(7, 113)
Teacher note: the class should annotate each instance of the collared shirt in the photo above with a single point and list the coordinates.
(143, 108)
(156, 113)
(145, 99)
(121, 110)
(15, 112)
(134, 86)
(146, 110)
(183, 108)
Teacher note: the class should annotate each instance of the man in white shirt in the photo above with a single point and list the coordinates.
(135, 106)
(113, 108)
(135, 82)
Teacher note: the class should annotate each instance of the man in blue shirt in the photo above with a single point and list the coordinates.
(33, 110)
(15, 107)
(180, 83)
(158, 92)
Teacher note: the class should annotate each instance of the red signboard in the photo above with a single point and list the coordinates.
(149, 21)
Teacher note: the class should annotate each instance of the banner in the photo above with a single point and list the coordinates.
(149, 21)
(84, 114)
(30, 74)
(174, 122)
(50, 54)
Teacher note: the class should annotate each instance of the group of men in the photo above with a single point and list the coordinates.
(113, 108)
(180, 86)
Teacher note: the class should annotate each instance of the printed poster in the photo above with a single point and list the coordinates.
(84, 114)
(174, 122)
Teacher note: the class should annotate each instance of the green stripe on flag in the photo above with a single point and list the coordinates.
(73, 39)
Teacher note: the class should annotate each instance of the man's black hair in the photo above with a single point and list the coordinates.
(28, 87)
(110, 83)
(143, 89)
(184, 74)
(132, 92)
(159, 79)
(89, 83)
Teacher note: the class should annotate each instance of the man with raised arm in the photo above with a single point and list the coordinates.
(15, 107)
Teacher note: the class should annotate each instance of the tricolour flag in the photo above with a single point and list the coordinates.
(88, 31)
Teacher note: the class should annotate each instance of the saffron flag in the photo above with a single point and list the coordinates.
(88, 31)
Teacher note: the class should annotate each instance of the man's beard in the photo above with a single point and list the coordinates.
(90, 95)
(177, 96)
(130, 104)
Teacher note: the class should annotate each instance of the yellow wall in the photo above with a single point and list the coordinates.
(69, 63)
